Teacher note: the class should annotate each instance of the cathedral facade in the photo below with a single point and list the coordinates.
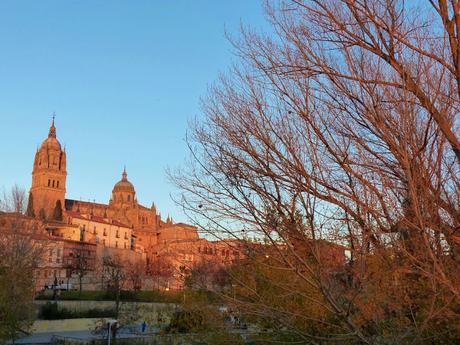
(47, 200)
(121, 227)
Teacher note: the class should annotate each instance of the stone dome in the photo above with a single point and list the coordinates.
(51, 142)
(124, 185)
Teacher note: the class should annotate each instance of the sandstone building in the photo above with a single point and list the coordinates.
(47, 201)
(48, 177)
(121, 227)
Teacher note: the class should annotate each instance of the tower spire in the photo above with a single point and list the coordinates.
(124, 174)
(52, 132)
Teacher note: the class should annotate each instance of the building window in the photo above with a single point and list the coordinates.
(94, 231)
(118, 235)
(49, 182)
(129, 197)
(125, 245)
(57, 184)
(105, 232)
(53, 183)
(116, 244)
(126, 235)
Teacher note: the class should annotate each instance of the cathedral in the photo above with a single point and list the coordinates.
(49, 187)
(121, 227)
(47, 196)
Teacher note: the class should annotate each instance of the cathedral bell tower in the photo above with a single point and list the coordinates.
(47, 194)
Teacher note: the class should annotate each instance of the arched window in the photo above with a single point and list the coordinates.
(53, 183)
(57, 184)
(49, 182)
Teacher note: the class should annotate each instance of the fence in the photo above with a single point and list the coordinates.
(174, 339)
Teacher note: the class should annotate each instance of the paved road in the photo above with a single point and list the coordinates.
(45, 337)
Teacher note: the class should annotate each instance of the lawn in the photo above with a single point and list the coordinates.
(139, 296)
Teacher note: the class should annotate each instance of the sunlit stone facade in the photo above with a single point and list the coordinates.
(48, 177)
(121, 227)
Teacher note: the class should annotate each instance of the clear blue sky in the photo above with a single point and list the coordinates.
(123, 77)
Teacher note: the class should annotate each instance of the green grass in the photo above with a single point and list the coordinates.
(140, 296)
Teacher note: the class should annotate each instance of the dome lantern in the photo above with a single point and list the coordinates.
(123, 191)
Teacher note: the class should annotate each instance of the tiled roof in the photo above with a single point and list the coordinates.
(70, 202)
(96, 219)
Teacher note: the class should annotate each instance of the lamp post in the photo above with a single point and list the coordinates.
(110, 323)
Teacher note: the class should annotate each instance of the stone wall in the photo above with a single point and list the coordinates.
(137, 311)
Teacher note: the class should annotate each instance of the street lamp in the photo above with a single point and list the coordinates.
(110, 323)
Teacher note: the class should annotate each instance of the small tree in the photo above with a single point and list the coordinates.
(42, 214)
(30, 206)
(14, 201)
(134, 272)
(115, 276)
(80, 264)
(207, 275)
(160, 269)
(19, 258)
(57, 213)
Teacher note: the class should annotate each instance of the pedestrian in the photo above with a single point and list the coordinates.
(144, 326)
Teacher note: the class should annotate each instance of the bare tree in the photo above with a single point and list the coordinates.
(14, 201)
(114, 271)
(207, 275)
(135, 273)
(342, 129)
(80, 264)
(20, 255)
(160, 269)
